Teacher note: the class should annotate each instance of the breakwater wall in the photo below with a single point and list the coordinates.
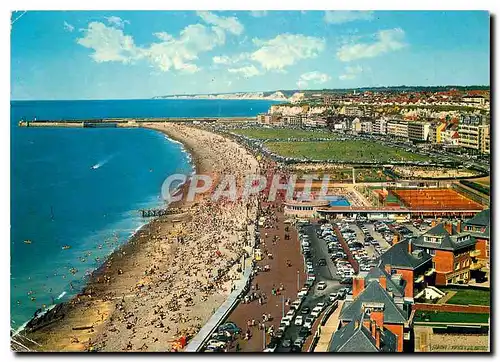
(128, 122)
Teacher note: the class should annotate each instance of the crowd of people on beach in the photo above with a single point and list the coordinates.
(194, 262)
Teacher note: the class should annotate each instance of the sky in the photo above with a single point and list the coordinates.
(142, 54)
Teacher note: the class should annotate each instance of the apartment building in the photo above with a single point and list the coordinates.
(272, 119)
(356, 125)
(366, 127)
(474, 137)
(436, 132)
(397, 129)
(380, 126)
(474, 100)
(418, 131)
(354, 111)
(453, 252)
(295, 120)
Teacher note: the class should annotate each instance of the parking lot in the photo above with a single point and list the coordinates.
(329, 255)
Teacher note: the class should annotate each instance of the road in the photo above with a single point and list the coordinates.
(326, 273)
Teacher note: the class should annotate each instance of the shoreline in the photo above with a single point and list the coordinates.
(192, 163)
(93, 306)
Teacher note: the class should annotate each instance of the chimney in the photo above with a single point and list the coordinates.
(383, 282)
(388, 268)
(377, 338)
(356, 324)
(459, 226)
(373, 326)
(395, 239)
(433, 223)
(358, 285)
(409, 246)
(449, 227)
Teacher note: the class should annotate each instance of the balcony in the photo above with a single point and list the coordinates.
(476, 266)
(475, 253)
(429, 272)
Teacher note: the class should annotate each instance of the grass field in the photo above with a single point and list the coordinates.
(469, 296)
(450, 317)
(343, 151)
(278, 133)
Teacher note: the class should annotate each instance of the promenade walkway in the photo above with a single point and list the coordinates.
(330, 327)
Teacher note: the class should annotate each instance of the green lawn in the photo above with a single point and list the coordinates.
(343, 151)
(279, 133)
(469, 296)
(450, 317)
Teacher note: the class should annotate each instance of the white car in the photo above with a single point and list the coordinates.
(299, 320)
(309, 322)
(296, 304)
(315, 312)
(303, 292)
(321, 285)
(286, 321)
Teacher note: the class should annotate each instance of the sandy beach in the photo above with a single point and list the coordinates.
(171, 276)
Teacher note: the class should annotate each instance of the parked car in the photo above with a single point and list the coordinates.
(229, 327)
(316, 311)
(308, 323)
(303, 292)
(286, 343)
(299, 320)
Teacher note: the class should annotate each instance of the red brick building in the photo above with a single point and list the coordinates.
(381, 296)
(479, 228)
(414, 266)
(453, 252)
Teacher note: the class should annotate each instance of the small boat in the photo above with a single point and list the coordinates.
(27, 241)
(66, 247)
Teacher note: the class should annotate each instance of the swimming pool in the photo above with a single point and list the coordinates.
(337, 200)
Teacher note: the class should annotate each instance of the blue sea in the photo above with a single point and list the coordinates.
(82, 188)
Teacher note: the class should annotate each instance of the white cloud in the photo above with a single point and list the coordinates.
(258, 13)
(286, 49)
(109, 44)
(346, 16)
(351, 72)
(117, 21)
(230, 24)
(169, 52)
(312, 77)
(386, 41)
(225, 59)
(68, 27)
(247, 72)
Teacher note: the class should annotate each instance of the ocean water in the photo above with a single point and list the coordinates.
(83, 188)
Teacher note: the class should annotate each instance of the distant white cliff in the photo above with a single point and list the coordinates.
(276, 96)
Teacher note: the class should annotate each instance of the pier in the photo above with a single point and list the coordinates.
(127, 122)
